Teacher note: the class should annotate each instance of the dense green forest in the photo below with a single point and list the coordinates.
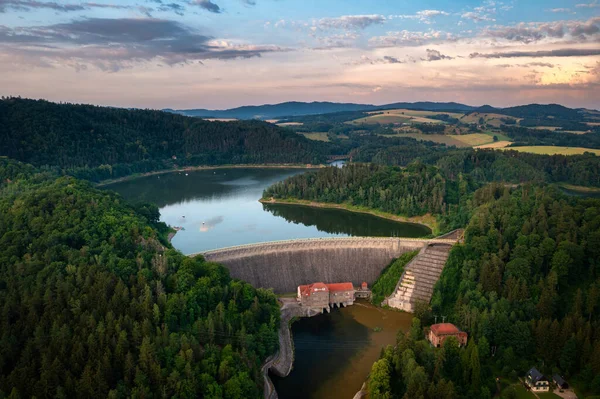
(95, 303)
(414, 369)
(416, 190)
(388, 279)
(97, 143)
(525, 286)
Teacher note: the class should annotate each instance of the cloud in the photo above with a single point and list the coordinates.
(593, 4)
(560, 10)
(407, 38)
(173, 7)
(424, 16)
(386, 59)
(28, 5)
(538, 54)
(350, 22)
(112, 44)
(530, 64)
(435, 55)
(207, 5)
(532, 32)
(476, 16)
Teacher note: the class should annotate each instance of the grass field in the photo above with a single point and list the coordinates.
(553, 150)
(402, 116)
(290, 124)
(436, 138)
(523, 393)
(383, 119)
(410, 112)
(497, 144)
(580, 189)
(316, 136)
(490, 119)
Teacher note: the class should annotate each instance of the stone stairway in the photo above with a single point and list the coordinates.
(419, 277)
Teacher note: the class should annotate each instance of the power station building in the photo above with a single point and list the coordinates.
(321, 296)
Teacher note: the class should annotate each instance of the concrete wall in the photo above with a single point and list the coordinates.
(286, 264)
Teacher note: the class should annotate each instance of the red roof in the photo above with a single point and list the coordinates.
(444, 329)
(310, 288)
(340, 287)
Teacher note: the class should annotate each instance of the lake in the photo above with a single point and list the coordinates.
(219, 208)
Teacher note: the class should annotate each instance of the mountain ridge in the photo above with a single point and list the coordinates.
(298, 108)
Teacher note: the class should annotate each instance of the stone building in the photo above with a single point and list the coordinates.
(341, 294)
(314, 296)
(439, 332)
(320, 296)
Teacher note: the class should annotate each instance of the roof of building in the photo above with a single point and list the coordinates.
(340, 287)
(444, 329)
(535, 375)
(559, 380)
(308, 289)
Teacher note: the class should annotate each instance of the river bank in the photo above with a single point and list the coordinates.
(281, 363)
(427, 220)
(207, 167)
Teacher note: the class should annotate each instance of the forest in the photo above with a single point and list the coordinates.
(96, 303)
(98, 143)
(525, 286)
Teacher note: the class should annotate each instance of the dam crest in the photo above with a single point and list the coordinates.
(284, 265)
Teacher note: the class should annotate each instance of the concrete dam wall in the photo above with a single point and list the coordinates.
(283, 265)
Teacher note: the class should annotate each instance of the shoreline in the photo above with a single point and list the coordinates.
(208, 167)
(427, 220)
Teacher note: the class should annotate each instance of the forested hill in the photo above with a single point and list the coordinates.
(95, 303)
(525, 286)
(83, 136)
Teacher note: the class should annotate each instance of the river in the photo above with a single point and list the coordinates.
(334, 352)
(219, 208)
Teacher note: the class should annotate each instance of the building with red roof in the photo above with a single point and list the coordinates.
(324, 296)
(438, 333)
(314, 295)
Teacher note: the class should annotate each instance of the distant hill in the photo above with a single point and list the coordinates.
(270, 111)
(112, 142)
(294, 108)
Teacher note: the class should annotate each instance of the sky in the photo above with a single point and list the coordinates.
(225, 53)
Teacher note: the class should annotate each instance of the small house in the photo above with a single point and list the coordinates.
(536, 381)
(438, 333)
(560, 382)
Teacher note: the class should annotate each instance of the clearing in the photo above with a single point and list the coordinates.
(490, 119)
(462, 140)
(316, 136)
(398, 116)
(497, 144)
(553, 150)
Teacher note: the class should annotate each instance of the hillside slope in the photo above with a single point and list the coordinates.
(95, 304)
(84, 136)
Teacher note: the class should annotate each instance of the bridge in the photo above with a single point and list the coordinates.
(283, 265)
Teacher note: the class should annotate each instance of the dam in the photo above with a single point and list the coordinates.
(284, 265)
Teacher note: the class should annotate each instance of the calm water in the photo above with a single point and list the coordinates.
(335, 352)
(220, 208)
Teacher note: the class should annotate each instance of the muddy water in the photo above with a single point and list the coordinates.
(335, 352)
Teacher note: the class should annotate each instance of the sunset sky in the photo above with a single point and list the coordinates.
(227, 53)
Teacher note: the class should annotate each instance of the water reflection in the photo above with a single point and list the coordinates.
(339, 221)
(220, 208)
